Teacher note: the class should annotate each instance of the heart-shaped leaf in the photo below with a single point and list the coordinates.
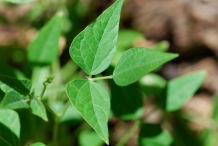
(181, 89)
(14, 100)
(93, 103)
(93, 49)
(44, 48)
(38, 108)
(137, 62)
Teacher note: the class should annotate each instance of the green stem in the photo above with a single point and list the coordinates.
(50, 110)
(100, 78)
(55, 132)
(128, 134)
(65, 109)
(43, 91)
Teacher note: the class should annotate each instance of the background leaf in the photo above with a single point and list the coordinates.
(93, 102)
(153, 84)
(8, 84)
(181, 89)
(38, 108)
(94, 48)
(126, 39)
(154, 135)
(136, 62)
(89, 138)
(10, 120)
(44, 48)
(18, 1)
(126, 102)
(38, 144)
(13, 100)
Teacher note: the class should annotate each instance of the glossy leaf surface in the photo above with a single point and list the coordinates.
(94, 48)
(137, 62)
(44, 48)
(38, 108)
(14, 100)
(181, 89)
(93, 103)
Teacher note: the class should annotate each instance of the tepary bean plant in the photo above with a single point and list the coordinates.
(93, 50)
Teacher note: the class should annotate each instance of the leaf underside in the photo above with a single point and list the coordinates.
(93, 103)
(93, 49)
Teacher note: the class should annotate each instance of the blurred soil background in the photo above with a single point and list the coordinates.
(190, 27)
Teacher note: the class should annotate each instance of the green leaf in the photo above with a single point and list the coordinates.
(11, 84)
(38, 108)
(10, 120)
(44, 48)
(93, 103)
(181, 89)
(38, 144)
(162, 46)
(126, 38)
(154, 135)
(215, 108)
(14, 100)
(18, 1)
(89, 138)
(137, 62)
(153, 84)
(126, 102)
(93, 49)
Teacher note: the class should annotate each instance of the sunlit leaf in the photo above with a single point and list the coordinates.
(13, 100)
(137, 62)
(154, 135)
(44, 48)
(181, 89)
(93, 103)
(38, 108)
(94, 48)
(12, 84)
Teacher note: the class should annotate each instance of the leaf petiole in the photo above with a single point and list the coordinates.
(100, 78)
